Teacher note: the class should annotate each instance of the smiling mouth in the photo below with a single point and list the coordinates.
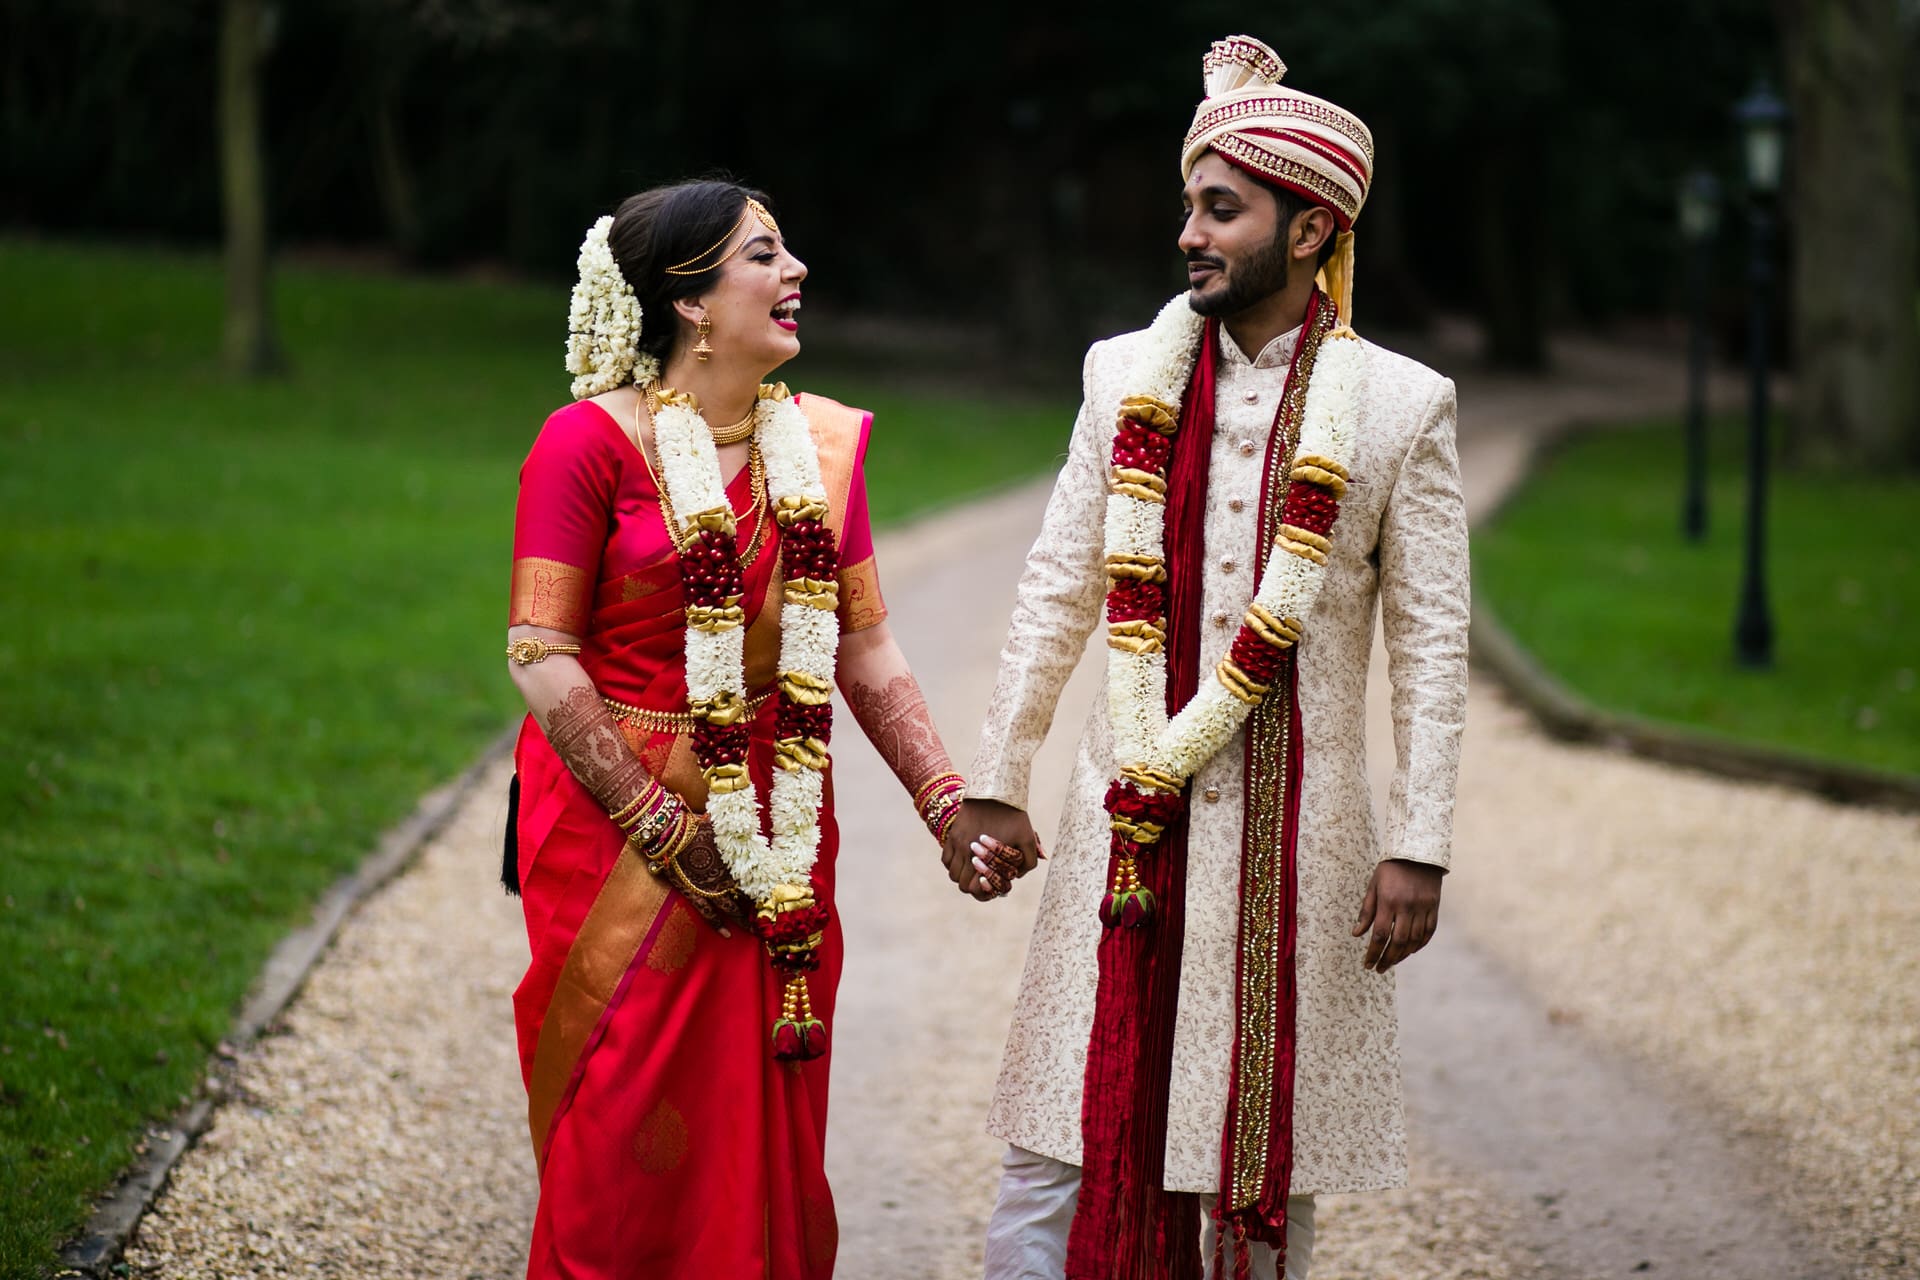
(1197, 269)
(786, 313)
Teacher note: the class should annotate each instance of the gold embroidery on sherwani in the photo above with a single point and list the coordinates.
(1263, 902)
(550, 593)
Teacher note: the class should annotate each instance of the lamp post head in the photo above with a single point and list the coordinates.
(1699, 206)
(1763, 124)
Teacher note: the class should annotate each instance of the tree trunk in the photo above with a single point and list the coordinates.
(250, 348)
(393, 174)
(1856, 334)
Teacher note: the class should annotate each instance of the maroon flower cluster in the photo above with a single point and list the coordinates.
(1125, 800)
(1310, 507)
(793, 720)
(1256, 657)
(1141, 448)
(786, 934)
(721, 743)
(710, 569)
(807, 551)
(1132, 600)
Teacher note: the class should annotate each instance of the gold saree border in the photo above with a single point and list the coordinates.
(860, 603)
(550, 593)
(624, 912)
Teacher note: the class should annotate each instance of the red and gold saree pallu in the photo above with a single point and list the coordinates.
(669, 1141)
(1126, 1226)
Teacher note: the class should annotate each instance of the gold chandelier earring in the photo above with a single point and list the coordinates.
(701, 351)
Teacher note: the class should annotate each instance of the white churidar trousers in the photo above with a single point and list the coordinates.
(1027, 1235)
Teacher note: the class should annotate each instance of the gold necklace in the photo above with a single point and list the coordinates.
(734, 434)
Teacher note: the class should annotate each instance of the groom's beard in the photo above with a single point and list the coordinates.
(1263, 273)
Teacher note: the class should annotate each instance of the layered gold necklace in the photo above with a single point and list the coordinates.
(651, 397)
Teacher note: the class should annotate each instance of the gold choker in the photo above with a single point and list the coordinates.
(658, 396)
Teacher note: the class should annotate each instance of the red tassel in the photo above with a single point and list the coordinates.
(1128, 904)
(1242, 1257)
(798, 1036)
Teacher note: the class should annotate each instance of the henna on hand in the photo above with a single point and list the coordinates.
(700, 873)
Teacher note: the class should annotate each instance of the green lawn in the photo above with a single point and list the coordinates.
(1587, 568)
(248, 625)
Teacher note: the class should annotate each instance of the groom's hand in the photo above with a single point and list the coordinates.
(986, 818)
(1402, 908)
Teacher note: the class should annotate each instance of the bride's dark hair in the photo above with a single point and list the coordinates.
(665, 227)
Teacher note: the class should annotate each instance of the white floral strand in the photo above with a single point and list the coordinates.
(603, 322)
(809, 642)
(1289, 586)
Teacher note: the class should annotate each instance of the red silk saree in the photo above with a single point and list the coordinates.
(669, 1140)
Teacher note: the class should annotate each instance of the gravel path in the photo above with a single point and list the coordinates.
(1731, 966)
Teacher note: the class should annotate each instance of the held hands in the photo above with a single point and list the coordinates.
(1402, 908)
(987, 841)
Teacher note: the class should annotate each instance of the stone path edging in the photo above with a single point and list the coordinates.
(1561, 713)
(95, 1251)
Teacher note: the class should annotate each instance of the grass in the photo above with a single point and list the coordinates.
(1587, 568)
(249, 625)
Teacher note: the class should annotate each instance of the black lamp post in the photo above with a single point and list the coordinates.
(1699, 222)
(1763, 123)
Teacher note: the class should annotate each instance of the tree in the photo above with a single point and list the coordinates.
(251, 348)
(1855, 283)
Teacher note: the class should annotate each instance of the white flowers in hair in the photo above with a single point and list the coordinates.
(809, 642)
(603, 322)
(1289, 585)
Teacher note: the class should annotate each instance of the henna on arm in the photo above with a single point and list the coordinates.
(585, 736)
(678, 845)
(896, 720)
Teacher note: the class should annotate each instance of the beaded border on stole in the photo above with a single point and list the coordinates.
(1263, 849)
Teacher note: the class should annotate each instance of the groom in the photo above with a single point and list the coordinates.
(1206, 1035)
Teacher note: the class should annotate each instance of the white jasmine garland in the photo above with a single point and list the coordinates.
(1137, 683)
(809, 641)
(603, 322)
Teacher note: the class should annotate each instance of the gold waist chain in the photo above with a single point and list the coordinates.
(674, 721)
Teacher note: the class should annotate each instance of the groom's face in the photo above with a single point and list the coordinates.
(1236, 252)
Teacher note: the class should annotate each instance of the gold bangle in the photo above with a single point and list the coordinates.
(528, 650)
(629, 813)
(926, 788)
(648, 833)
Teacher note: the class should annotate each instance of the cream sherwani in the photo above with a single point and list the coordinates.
(1402, 540)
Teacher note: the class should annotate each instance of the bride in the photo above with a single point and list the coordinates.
(693, 574)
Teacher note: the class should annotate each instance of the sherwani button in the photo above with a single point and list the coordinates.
(1212, 794)
(1219, 617)
(1226, 566)
(1246, 448)
(1253, 397)
(1234, 504)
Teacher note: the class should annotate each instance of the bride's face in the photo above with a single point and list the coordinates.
(755, 305)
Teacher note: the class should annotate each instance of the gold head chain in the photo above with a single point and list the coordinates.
(699, 263)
